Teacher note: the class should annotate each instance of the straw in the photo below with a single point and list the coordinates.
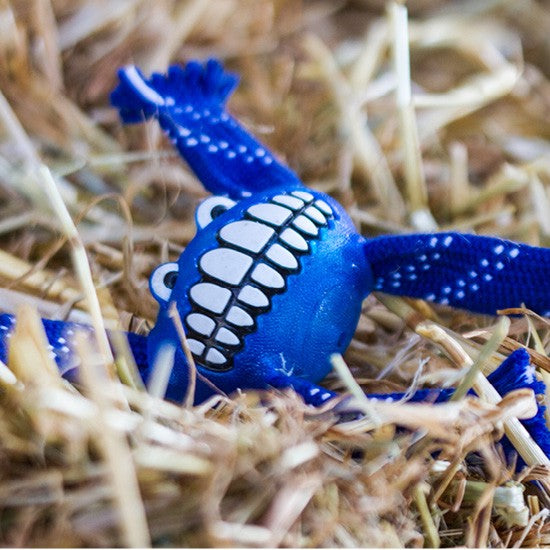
(80, 261)
(115, 451)
(417, 194)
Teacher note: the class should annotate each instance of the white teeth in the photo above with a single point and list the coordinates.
(294, 240)
(236, 264)
(305, 226)
(270, 213)
(201, 323)
(216, 357)
(253, 297)
(291, 202)
(246, 234)
(212, 297)
(323, 207)
(226, 265)
(267, 276)
(281, 256)
(239, 317)
(225, 336)
(307, 197)
(312, 213)
(195, 346)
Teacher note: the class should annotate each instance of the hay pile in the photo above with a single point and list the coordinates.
(326, 85)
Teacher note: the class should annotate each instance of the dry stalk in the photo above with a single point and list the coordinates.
(29, 157)
(430, 529)
(355, 131)
(162, 368)
(417, 194)
(115, 450)
(80, 261)
(487, 351)
(354, 388)
(192, 369)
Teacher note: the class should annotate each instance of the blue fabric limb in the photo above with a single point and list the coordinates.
(311, 393)
(60, 335)
(7, 324)
(514, 373)
(189, 104)
(482, 274)
(138, 346)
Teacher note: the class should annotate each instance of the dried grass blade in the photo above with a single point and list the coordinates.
(490, 347)
(430, 529)
(354, 388)
(287, 507)
(80, 261)
(417, 192)
(162, 368)
(30, 158)
(191, 367)
(114, 449)
(29, 358)
(353, 127)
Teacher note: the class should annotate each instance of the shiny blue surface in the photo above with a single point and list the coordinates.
(313, 316)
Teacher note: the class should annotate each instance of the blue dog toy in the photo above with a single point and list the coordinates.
(272, 283)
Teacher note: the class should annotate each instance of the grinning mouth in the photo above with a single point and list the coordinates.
(239, 278)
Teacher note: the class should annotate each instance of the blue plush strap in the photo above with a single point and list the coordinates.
(60, 335)
(189, 104)
(514, 373)
(473, 272)
(7, 324)
(311, 393)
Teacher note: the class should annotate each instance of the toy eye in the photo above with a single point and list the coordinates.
(212, 208)
(162, 281)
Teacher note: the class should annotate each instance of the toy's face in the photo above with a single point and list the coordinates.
(254, 287)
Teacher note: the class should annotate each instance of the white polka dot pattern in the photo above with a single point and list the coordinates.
(477, 273)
